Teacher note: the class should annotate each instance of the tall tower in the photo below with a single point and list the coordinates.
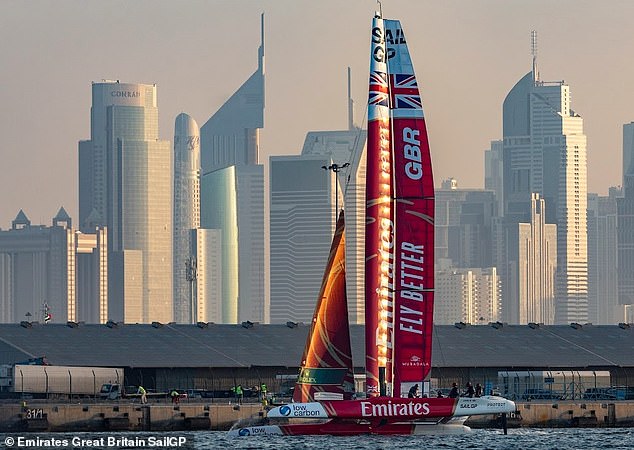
(603, 270)
(302, 201)
(125, 183)
(625, 222)
(232, 196)
(186, 215)
(544, 152)
(341, 147)
(537, 264)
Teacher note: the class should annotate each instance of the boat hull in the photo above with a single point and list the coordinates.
(394, 409)
(335, 427)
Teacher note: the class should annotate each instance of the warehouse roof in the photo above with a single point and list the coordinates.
(213, 345)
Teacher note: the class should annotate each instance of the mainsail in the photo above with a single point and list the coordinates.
(326, 371)
(399, 219)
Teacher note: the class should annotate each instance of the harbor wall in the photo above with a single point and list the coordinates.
(202, 416)
(123, 416)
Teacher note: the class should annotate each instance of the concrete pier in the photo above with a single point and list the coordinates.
(123, 416)
(564, 414)
(208, 416)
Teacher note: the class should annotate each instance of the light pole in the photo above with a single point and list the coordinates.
(336, 168)
(191, 274)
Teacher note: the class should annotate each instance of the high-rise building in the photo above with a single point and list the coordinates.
(536, 268)
(302, 202)
(628, 147)
(625, 223)
(125, 174)
(186, 215)
(603, 299)
(232, 196)
(463, 223)
(544, 152)
(53, 274)
(469, 295)
(341, 147)
(494, 173)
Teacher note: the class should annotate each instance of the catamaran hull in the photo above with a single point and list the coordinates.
(339, 428)
(394, 409)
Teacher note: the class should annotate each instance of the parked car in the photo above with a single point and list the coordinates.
(540, 394)
(194, 393)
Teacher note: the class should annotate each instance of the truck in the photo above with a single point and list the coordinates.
(43, 381)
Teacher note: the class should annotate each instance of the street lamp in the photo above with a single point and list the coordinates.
(336, 168)
(191, 274)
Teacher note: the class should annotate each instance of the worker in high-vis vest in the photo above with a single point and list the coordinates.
(143, 395)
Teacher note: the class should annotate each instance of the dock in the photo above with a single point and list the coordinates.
(129, 416)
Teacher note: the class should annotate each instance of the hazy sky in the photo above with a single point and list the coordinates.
(467, 53)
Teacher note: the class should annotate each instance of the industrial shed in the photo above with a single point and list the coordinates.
(213, 356)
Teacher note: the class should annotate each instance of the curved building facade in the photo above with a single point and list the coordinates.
(544, 152)
(125, 183)
(186, 214)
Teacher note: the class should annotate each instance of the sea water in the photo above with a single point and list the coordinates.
(517, 438)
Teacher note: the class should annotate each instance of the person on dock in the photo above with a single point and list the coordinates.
(454, 391)
(263, 392)
(239, 394)
(143, 395)
(175, 396)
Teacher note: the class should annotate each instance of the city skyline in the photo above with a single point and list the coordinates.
(212, 46)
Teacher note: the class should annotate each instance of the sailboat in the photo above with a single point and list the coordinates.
(399, 283)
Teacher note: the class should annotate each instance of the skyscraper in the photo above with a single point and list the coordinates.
(232, 195)
(625, 222)
(463, 223)
(628, 148)
(470, 295)
(347, 146)
(125, 183)
(603, 298)
(302, 201)
(536, 266)
(186, 214)
(493, 173)
(544, 152)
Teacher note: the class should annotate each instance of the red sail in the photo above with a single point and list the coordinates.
(413, 219)
(326, 372)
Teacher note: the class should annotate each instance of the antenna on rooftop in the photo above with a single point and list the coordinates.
(534, 54)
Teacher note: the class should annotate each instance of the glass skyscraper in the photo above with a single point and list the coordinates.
(232, 185)
(125, 175)
(186, 215)
(544, 152)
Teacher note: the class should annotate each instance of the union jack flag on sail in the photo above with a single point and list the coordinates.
(378, 89)
(404, 92)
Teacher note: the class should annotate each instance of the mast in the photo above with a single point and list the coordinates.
(379, 223)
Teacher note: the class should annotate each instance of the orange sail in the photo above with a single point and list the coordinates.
(326, 371)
